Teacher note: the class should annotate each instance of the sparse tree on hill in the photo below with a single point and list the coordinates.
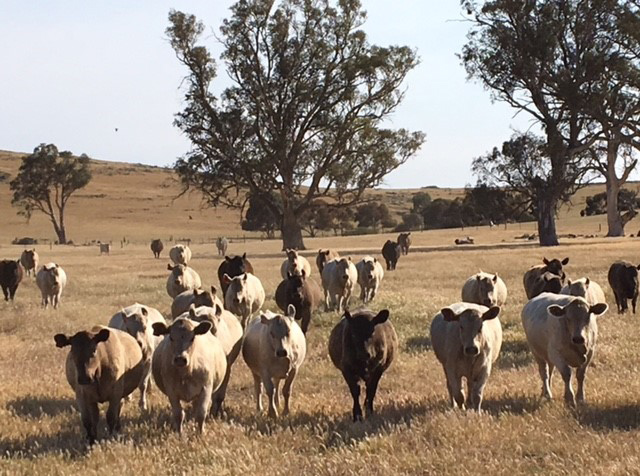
(305, 113)
(45, 182)
(544, 57)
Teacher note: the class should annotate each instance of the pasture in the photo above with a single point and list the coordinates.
(414, 430)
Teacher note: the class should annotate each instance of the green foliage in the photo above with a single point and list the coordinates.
(420, 201)
(45, 182)
(373, 215)
(597, 204)
(304, 116)
(411, 221)
(259, 217)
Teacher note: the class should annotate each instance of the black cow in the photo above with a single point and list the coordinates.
(303, 293)
(10, 276)
(233, 267)
(391, 254)
(157, 247)
(623, 278)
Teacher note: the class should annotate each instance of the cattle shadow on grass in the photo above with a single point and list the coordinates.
(624, 417)
(418, 344)
(70, 441)
(38, 406)
(514, 354)
(518, 404)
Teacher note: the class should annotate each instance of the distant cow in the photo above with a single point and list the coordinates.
(562, 332)
(339, 277)
(245, 296)
(586, 288)
(304, 293)
(623, 279)
(234, 266)
(274, 348)
(466, 339)
(180, 254)
(198, 297)
(51, 280)
(10, 277)
(404, 241)
(156, 247)
(485, 289)
(228, 330)
(189, 365)
(182, 278)
(370, 274)
(29, 261)
(323, 257)
(105, 248)
(362, 346)
(137, 320)
(294, 264)
(391, 254)
(541, 278)
(103, 365)
(464, 241)
(221, 245)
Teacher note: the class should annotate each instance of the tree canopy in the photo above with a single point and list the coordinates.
(305, 115)
(45, 182)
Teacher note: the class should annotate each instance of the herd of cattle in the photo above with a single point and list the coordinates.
(191, 355)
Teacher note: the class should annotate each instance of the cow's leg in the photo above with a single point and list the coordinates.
(257, 389)
(145, 385)
(545, 376)
(89, 414)
(220, 394)
(372, 388)
(476, 388)
(271, 393)
(286, 390)
(455, 386)
(113, 415)
(177, 412)
(565, 372)
(354, 388)
(633, 303)
(5, 291)
(580, 376)
(201, 406)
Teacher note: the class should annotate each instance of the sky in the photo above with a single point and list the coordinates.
(74, 71)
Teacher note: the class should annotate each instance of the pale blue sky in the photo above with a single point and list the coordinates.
(73, 71)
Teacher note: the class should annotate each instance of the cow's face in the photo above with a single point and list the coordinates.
(237, 288)
(295, 286)
(84, 346)
(360, 327)
(470, 323)
(343, 269)
(555, 265)
(236, 265)
(136, 325)
(578, 318)
(202, 297)
(182, 334)
(578, 288)
(279, 332)
(486, 289)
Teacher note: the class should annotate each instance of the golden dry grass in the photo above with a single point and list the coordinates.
(414, 431)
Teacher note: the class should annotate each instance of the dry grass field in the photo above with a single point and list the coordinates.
(413, 432)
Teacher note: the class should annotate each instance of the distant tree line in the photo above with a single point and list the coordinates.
(597, 204)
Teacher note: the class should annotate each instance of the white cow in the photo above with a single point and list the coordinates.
(562, 333)
(181, 279)
(339, 277)
(370, 274)
(295, 264)
(586, 288)
(245, 296)
(180, 254)
(486, 289)
(51, 280)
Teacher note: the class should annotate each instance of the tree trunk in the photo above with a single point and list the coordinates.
(291, 231)
(60, 232)
(614, 219)
(547, 220)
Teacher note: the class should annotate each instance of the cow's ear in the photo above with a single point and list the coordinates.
(218, 310)
(565, 261)
(291, 311)
(347, 315)
(226, 258)
(264, 319)
(226, 279)
(449, 315)
(214, 290)
(375, 260)
(197, 292)
(102, 336)
(244, 278)
(160, 329)
(143, 311)
(556, 310)
(244, 255)
(495, 278)
(478, 277)
(545, 260)
(492, 313)
(568, 282)
(381, 317)
(192, 311)
(587, 281)
(598, 309)
(203, 328)
(303, 273)
(289, 275)
(169, 267)
(61, 340)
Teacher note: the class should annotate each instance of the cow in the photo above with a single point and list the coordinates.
(294, 264)
(323, 257)
(623, 279)
(245, 296)
(485, 289)
(540, 278)
(362, 346)
(189, 365)
(182, 278)
(586, 288)
(105, 248)
(562, 333)
(304, 293)
(370, 274)
(404, 241)
(137, 320)
(233, 266)
(391, 254)
(221, 245)
(103, 365)
(11, 274)
(466, 339)
(274, 348)
(51, 280)
(199, 297)
(29, 261)
(180, 254)
(339, 277)
(468, 240)
(228, 330)
(156, 247)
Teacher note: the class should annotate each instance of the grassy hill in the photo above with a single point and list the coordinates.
(139, 202)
